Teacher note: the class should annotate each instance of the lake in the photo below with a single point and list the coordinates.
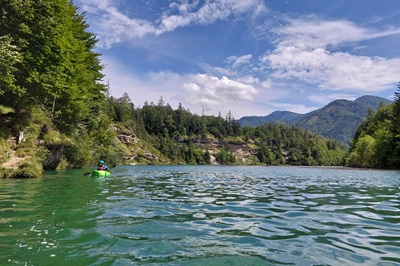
(202, 215)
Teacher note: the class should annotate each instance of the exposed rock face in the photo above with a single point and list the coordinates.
(52, 162)
(125, 136)
(136, 151)
(240, 149)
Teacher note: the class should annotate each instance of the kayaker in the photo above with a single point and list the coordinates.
(102, 166)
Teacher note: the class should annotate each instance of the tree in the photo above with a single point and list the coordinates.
(394, 160)
(264, 155)
(9, 56)
(363, 155)
(51, 67)
(226, 156)
(58, 69)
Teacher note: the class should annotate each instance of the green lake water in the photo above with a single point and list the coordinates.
(202, 215)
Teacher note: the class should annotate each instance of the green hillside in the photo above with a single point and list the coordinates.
(340, 119)
(337, 120)
(376, 143)
(277, 116)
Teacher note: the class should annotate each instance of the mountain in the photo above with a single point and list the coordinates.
(253, 121)
(277, 116)
(337, 120)
(285, 117)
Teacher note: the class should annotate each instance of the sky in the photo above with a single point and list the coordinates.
(249, 57)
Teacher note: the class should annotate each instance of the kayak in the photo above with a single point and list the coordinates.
(100, 173)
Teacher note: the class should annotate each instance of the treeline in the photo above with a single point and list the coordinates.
(376, 143)
(175, 133)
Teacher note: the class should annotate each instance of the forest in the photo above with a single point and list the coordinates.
(174, 134)
(56, 111)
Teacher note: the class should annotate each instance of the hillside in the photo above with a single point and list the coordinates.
(337, 120)
(277, 116)
(285, 117)
(376, 142)
(340, 119)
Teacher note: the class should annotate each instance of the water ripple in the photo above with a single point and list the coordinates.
(189, 215)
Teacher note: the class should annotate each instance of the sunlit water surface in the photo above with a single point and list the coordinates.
(202, 215)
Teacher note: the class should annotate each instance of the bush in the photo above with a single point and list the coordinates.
(5, 172)
(28, 169)
(78, 156)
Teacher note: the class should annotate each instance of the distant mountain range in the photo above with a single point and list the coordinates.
(337, 120)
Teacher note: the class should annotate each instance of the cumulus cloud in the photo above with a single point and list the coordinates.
(145, 87)
(306, 50)
(115, 27)
(212, 92)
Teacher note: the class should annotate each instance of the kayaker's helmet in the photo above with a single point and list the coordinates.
(101, 162)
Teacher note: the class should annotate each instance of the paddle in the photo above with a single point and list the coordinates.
(87, 173)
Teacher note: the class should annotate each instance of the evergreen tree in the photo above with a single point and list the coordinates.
(394, 160)
(52, 68)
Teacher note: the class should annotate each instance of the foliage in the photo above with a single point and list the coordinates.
(9, 56)
(225, 156)
(284, 144)
(30, 169)
(50, 79)
(376, 143)
(79, 154)
(6, 172)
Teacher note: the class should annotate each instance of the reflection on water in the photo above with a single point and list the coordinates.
(202, 215)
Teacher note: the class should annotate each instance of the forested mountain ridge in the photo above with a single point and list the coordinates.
(276, 116)
(337, 120)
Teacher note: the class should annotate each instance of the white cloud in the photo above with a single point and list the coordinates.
(236, 61)
(112, 26)
(146, 87)
(308, 54)
(266, 84)
(306, 51)
(313, 32)
(211, 92)
(222, 71)
(195, 92)
(249, 80)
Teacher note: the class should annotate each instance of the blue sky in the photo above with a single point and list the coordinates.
(250, 57)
